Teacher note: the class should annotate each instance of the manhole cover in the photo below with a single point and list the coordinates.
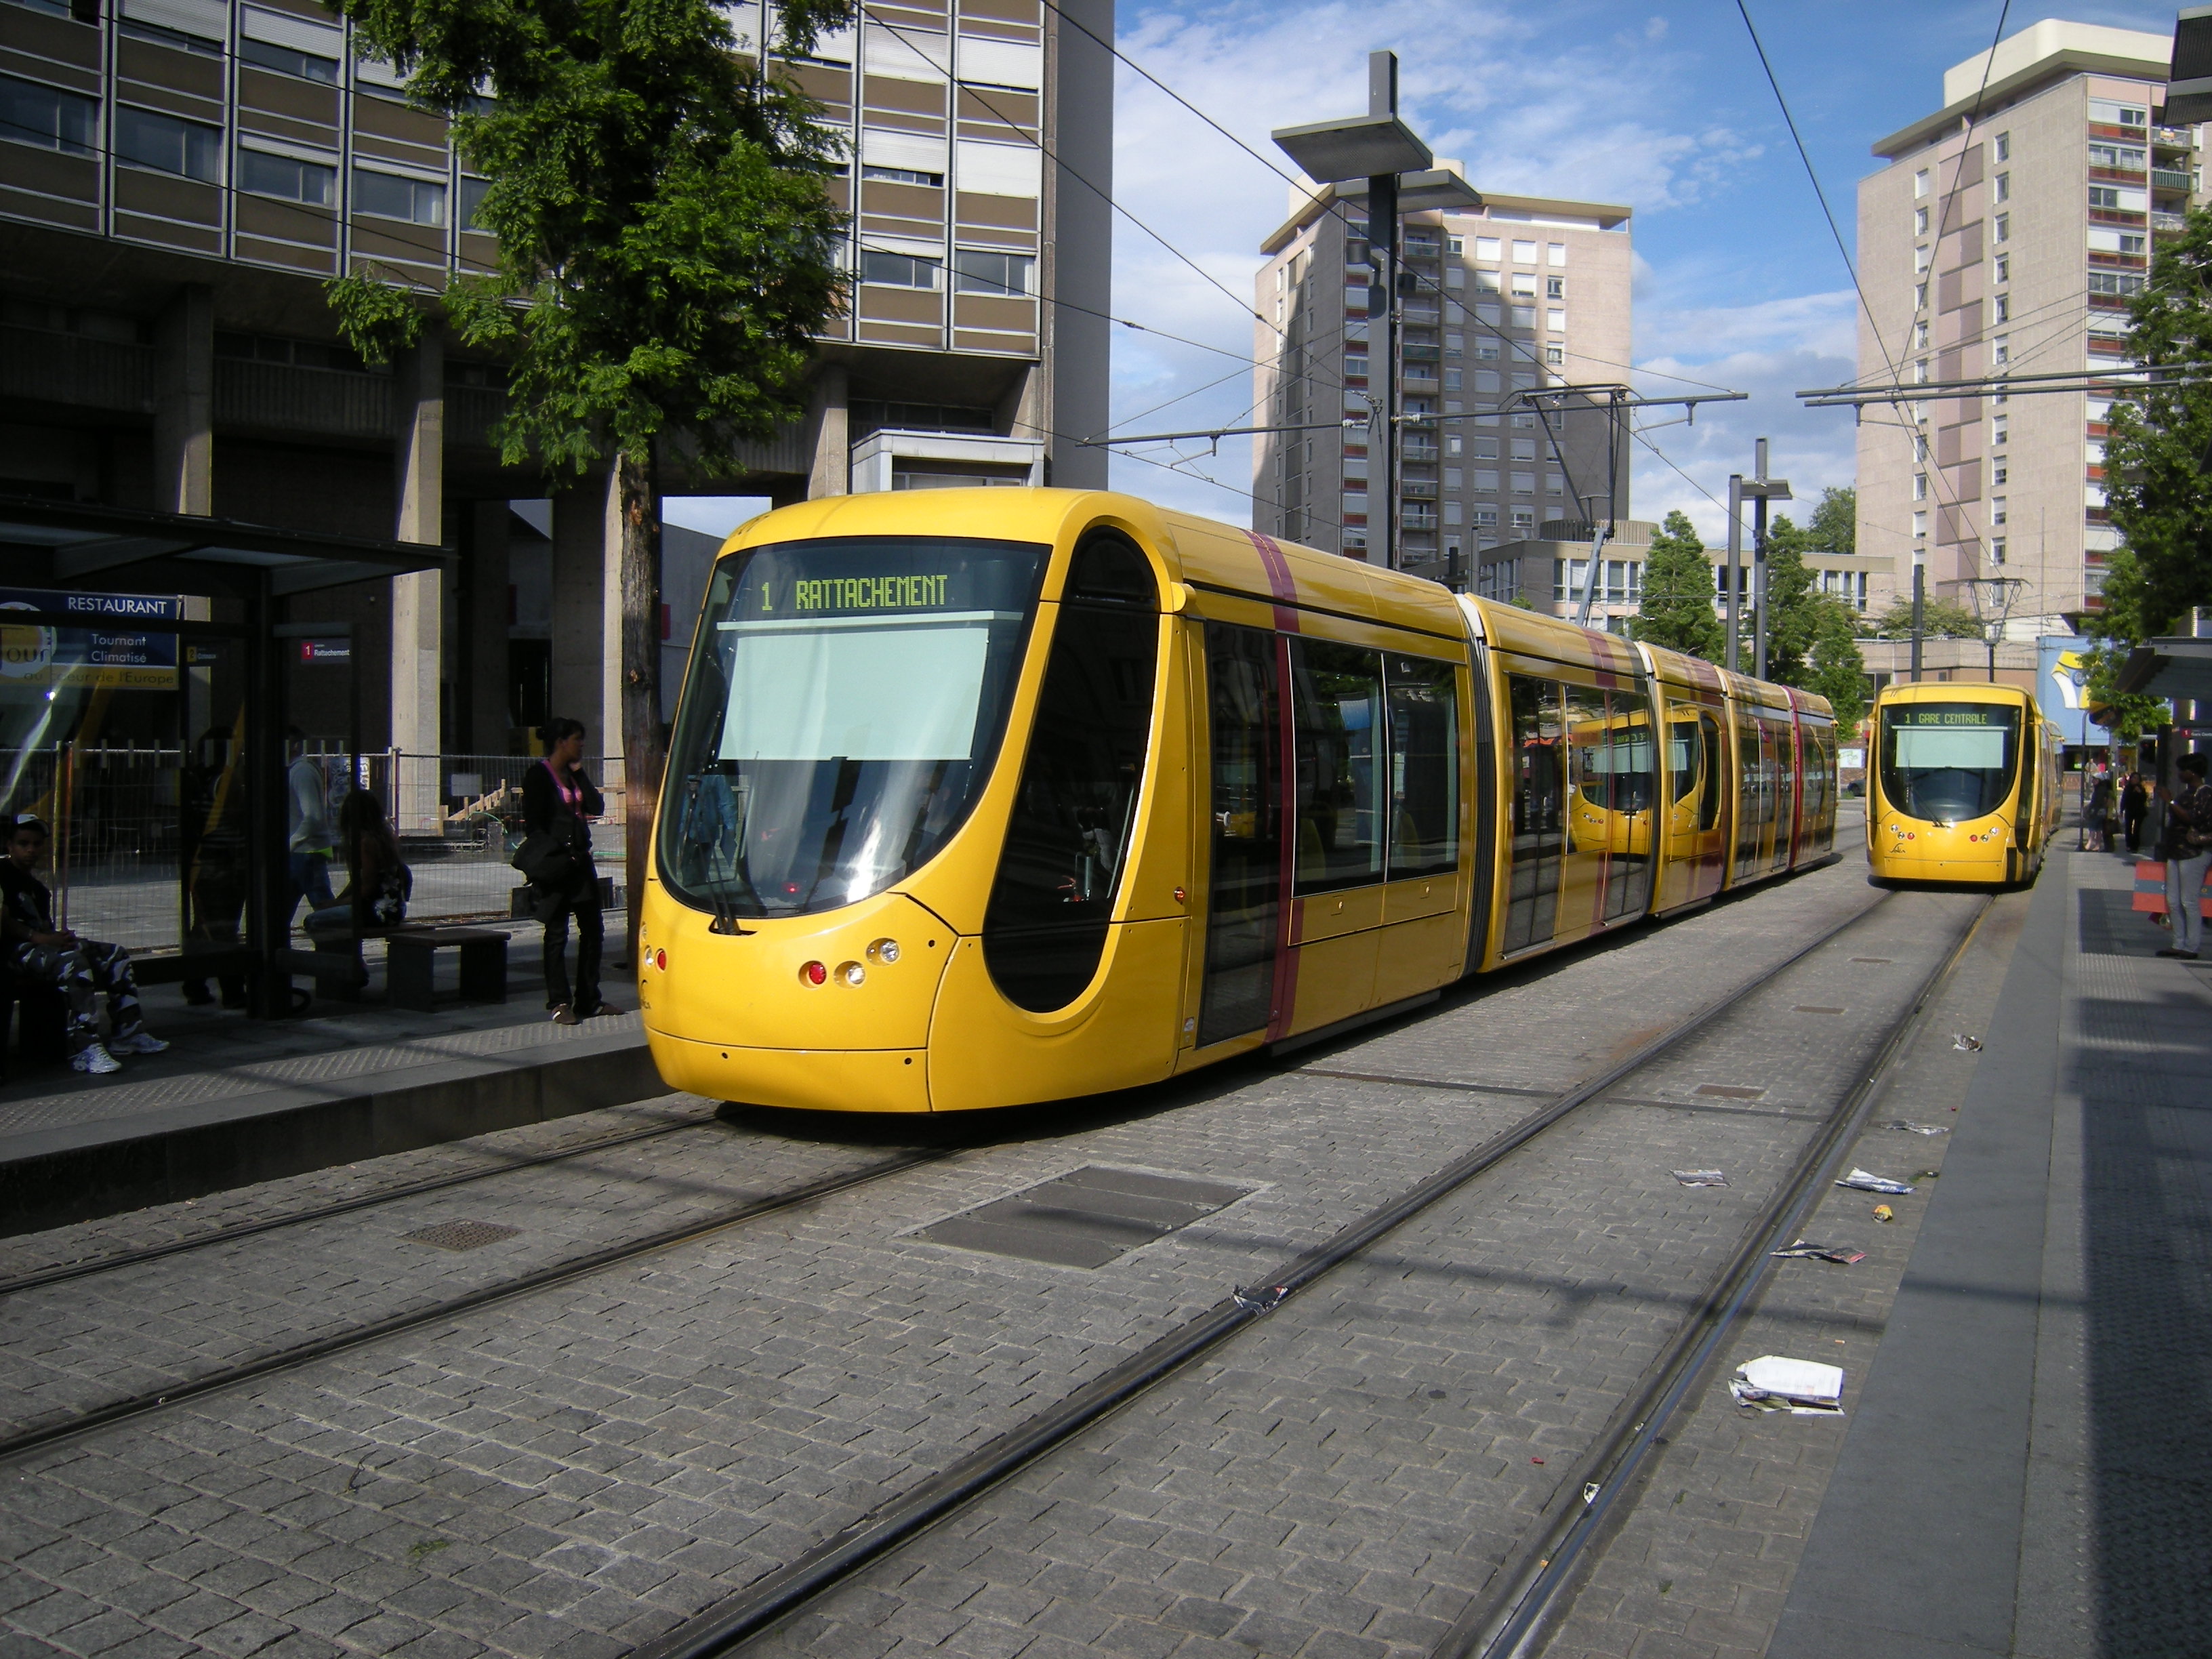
(1729, 1092)
(461, 1234)
(1085, 1218)
(1816, 1008)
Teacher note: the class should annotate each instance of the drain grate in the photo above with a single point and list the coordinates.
(461, 1234)
(1729, 1092)
(1085, 1218)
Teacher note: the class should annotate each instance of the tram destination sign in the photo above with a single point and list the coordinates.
(117, 649)
(1908, 715)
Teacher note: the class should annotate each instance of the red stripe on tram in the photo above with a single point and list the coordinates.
(1280, 581)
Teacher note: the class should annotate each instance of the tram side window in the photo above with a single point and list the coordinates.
(1338, 722)
(1539, 727)
(1424, 767)
(1715, 780)
(1067, 843)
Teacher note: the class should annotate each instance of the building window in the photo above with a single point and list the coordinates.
(1555, 321)
(1451, 511)
(1485, 516)
(1524, 253)
(1490, 249)
(2000, 349)
(2004, 227)
(2000, 428)
(1453, 344)
(1555, 356)
(1355, 502)
(1488, 281)
(1997, 509)
(263, 175)
(473, 191)
(1919, 526)
(1524, 483)
(1555, 287)
(2004, 267)
(903, 176)
(2103, 195)
(1996, 550)
(1524, 518)
(1452, 443)
(1998, 470)
(164, 144)
(2119, 158)
(2004, 187)
(1486, 480)
(897, 269)
(2004, 308)
(1524, 316)
(2121, 283)
(285, 60)
(1557, 252)
(389, 196)
(1920, 337)
(1456, 244)
(178, 39)
(974, 271)
(2004, 146)
(1920, 486)
(1920, 297)
(1553, 484)
(1921, 257)
(1920, 183)
(47, 116)
(1920, 221)
(1919, 445)
(1920, 372)
(1524, 283)
(1455, 478)
(1452, 380)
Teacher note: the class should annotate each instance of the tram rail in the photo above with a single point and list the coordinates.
(789, 1590)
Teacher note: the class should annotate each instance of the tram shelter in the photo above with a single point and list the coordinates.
(150, 665)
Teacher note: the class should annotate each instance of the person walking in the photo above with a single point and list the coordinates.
(80, 969)
(2134, 800)
(558, 803)
(2187, 849)
(2097, 811)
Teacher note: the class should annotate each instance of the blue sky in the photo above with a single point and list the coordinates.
(1661, 107)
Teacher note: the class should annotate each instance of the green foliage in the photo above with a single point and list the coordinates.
(1811, 636)
(1940, 619)
(2130, 713)
(1834, 526)
(1677, 608)
(664, 237)
(2158, 481)
(2126, 595)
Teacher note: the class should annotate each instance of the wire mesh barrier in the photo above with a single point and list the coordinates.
(136, 829)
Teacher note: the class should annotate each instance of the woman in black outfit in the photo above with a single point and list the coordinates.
(558, 802)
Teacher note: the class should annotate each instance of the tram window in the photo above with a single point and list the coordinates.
(1750, 777)
(1067, 841)
(1337, 721)
(1613, 761)
(841, 717)
(1949, 761)
(1715, 780)
(1424, 767)
(1539, 726)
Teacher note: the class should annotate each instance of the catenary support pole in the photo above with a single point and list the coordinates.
(1919, 607)
(1759, 571)
(1731, 593)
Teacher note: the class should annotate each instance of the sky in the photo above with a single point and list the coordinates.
(1663, 108)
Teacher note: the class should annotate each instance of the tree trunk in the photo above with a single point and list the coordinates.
(644, 751)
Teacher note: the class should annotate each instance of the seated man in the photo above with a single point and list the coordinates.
(33, 949)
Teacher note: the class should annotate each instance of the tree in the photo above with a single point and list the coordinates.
(1834, 526)
(2122, 624)
(1811, 636)
(665, 257)
(1677, 607)
(1942, 619)
(2158, 458)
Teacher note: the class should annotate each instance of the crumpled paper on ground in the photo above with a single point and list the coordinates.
(1803, 1388)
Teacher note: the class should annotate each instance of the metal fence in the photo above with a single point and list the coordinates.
(120, 817)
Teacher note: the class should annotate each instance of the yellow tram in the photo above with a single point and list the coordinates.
(985, 797)
(1964, 786)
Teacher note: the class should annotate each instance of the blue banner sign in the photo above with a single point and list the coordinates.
(122, 657)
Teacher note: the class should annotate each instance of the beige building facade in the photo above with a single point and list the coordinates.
(2004, 238)
(1515, 295)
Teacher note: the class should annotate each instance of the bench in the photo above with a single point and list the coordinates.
(410, 964)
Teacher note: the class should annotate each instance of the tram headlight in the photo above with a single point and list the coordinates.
(885, 951)
(851, 972)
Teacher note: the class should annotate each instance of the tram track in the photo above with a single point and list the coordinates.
(227, 1234)
(788, 1589)
(133, 1406)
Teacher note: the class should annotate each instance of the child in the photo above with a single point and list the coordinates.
(34, 949)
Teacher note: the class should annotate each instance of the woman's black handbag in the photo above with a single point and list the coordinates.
(544, 861)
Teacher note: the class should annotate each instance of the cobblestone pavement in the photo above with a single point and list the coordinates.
(578, 1470)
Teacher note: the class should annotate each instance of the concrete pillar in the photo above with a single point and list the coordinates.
(829, 434)
(1021, 411)
(485, 695)
(183, 403)
(586, 668)
(419, 605)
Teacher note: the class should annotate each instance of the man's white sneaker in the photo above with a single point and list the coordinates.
(138, 1042)
(96, 1060)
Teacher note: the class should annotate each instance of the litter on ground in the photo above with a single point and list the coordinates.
(1866, 1181)
(1701, 1177)
(1912, 1128)
(1803, 1388)
(1823, 1253)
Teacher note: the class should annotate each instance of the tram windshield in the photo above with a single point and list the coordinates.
(1947, 762)
(843, 708)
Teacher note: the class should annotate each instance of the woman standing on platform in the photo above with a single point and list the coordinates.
(2135, 801)
(558, 803)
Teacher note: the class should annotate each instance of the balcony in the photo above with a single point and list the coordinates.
(1419, 451)
(2168, 224)
(2173, 138)
(1417, 518)
(1417, 489)
(1422, 354)
(2171, 178)
(49, 366)
(282, 398)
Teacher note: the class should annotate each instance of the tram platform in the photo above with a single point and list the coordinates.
(236, 1101)
(2025, 1472)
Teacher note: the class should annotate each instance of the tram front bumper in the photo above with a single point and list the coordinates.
(812, 1080)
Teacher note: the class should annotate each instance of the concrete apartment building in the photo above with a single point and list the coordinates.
(177, 178)
(2011, 245)
(1518, 293)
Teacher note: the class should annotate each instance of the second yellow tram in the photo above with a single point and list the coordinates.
(985, 797)
(1964, 785)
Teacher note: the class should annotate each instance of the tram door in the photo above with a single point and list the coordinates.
(1244, 888)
